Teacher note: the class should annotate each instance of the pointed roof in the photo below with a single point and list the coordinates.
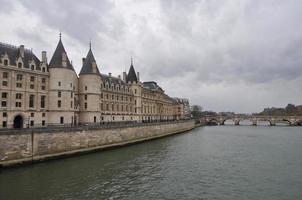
(131, 74)
(87, 67)
(56, 60)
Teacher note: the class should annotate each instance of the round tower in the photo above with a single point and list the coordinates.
(90, 91)
(63, 89)
(136, 87)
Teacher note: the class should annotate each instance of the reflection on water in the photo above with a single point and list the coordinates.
(221, 162)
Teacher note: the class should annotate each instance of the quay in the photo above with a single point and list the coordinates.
(25, 146)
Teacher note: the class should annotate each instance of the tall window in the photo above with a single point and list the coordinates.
(19, 65)
(5, 74)
(43, 101)
(59, 94)
(31, 100)
(61, 120)
(5, 62)
(19, 77)
(3, 103)
(4, 95)
(85, 105)
(32, 78)
(59, 104)
(59, 83)
(18, 96)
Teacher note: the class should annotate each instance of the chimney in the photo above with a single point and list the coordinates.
(44, 57)
(137, 76)
(109, 74)
(64, 59)
(124, 76)
(83, 60)
(22, 51)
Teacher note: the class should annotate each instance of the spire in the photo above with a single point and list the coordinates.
(60, 56)
(131, 74)
(131, 61)
(60, 35)
(89, 64)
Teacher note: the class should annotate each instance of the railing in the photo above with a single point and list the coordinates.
(87, 126)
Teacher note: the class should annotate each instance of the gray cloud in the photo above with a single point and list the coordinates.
(210, 51)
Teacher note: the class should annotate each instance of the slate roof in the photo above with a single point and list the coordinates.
(13, 53)
(112, 79)
(131, 75)
(152, 85)
(87, 65)
(56, 60)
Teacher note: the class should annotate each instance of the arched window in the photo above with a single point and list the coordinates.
(19, 65)
(32, 67)
(5, 62)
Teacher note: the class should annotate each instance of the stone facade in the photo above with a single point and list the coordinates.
(28, 145)
(35, 93)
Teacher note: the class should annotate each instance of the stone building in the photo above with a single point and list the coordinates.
(35, 93)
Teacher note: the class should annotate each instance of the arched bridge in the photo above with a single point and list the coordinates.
(255, 119)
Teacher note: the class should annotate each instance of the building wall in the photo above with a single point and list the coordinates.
(16, 86)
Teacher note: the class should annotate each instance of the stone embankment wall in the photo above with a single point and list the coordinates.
(26, 146)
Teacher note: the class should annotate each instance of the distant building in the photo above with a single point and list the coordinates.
(35, 93)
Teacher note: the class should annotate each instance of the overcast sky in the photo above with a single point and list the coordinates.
(225, 55)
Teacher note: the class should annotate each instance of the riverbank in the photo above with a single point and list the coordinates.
(30, 146)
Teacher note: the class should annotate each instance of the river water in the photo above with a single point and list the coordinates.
(220, 162)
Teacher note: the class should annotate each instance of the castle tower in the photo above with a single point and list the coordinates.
(63, 89)
(136, 88)
(89, 90)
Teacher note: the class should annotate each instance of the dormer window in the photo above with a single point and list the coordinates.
(19, 65)
(5, 62)
(43, 69)
(32, 67)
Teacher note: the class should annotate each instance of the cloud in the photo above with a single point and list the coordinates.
(209, 51)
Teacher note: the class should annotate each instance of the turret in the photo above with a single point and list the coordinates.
(136, 89)
(89, 90)
(63, 88)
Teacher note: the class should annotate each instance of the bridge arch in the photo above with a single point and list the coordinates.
(245, 121)
(298, 123)
(228, 121)
(212, 121)
(264, 122)
(284, 121)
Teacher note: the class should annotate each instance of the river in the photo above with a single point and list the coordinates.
(219, 162)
